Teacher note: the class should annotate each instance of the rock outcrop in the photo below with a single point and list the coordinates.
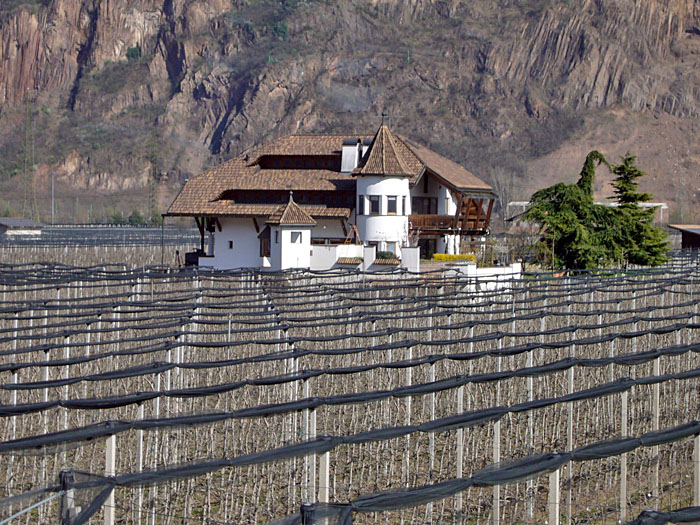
(118, 95)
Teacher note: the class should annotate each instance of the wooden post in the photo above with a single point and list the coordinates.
(110, 470)
(553, 498)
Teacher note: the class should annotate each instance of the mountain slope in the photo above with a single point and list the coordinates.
(123, 100)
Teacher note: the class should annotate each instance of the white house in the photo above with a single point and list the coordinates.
(355, 198)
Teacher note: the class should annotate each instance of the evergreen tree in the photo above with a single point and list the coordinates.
(569, 220)
(578, 234)
(642, 242)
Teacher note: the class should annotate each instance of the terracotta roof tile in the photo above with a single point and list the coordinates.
(349, 261)
(291, 214)
(328, 144)
(383, 157)
(387, 262)
(389, 155)
(447, 169)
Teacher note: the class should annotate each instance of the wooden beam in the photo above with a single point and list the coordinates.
(255, 223)
(466, 208)
(345, 229)
(200, 226)
(479, 209)
(458, 210)
(488, 214)
(218, 223)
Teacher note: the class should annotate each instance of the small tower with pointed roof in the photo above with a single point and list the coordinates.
(290, 237)
(383, 194)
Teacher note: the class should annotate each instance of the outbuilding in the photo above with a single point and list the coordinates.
(11, 227)
(690, 235)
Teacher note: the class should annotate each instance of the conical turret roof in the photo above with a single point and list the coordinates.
(383, 157)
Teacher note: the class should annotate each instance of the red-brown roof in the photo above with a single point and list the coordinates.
(390, 154)
(383, 157)
(291, 215)
(449, 170)
(327, 144)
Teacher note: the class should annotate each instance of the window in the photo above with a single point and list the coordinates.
(264, 247)
(404, 211)
(374, 204)
(391, 204)
(424, 205)
(296, 237)
(277, 236)
(425, 183)
(361, 205)
(230, 245)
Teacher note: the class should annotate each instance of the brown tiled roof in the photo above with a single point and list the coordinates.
(383, 157)
(387, 262)
(389, 155)
(329, 144)
(231, 209)
(349, 261)
(447, 169)
(291, 214)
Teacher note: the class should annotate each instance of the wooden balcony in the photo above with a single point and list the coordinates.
(432, 222)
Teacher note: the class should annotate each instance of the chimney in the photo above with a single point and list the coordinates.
(350, 156)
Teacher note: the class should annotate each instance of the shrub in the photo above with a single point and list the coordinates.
(134, 53)
(280, 30)
(136, 219)
(386, 255)
(454, 257)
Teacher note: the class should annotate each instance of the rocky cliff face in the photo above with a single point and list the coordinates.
(116, 97)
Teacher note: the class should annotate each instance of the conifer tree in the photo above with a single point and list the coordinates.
(578, 234)
(568, 220)
(642, 242)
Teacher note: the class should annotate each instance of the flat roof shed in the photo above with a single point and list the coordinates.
(18, 226)
(690, 235)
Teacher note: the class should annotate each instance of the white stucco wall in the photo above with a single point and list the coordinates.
(328, 229)
(446, 199)
(293, 255)
(325, 257)
(246, 246)
(383, 227)
(492, 278)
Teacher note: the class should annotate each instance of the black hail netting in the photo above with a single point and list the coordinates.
(228, 394)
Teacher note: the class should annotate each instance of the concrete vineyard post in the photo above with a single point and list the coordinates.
(110, 470)
(553, 500)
